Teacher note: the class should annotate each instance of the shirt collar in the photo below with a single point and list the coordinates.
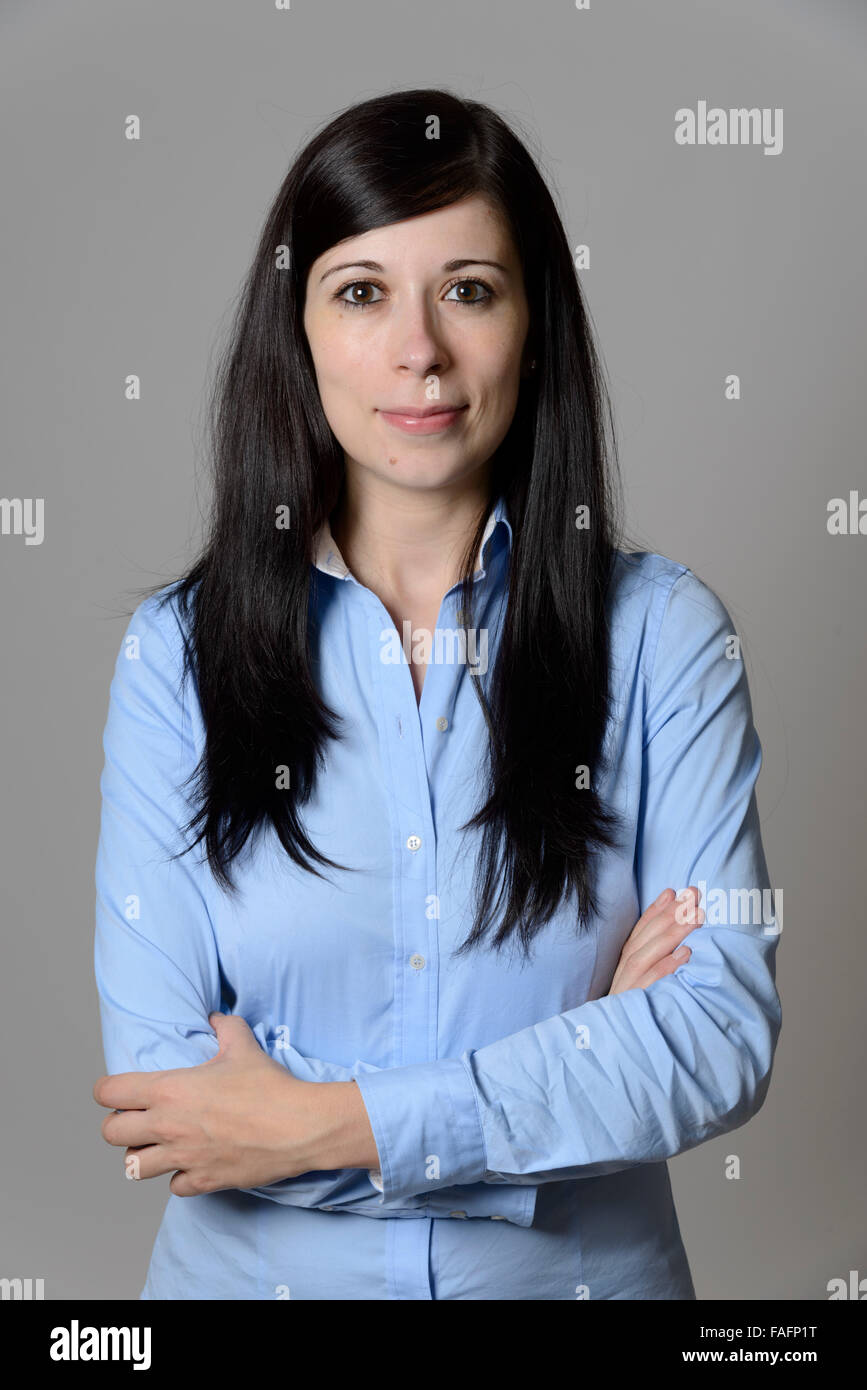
(328, 558)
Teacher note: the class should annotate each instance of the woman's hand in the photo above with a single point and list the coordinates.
(238, 1120)
(648, 952)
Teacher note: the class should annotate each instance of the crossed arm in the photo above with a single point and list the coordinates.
(676, 1059)
(239, 1120)
(242, 1120)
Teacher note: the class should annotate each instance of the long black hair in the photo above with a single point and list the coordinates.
(248, 602)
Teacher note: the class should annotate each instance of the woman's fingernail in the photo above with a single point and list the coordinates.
(681, 953)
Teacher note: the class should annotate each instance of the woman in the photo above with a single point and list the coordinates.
(392, 771)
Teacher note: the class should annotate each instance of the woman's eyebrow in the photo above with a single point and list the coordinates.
(380, 269)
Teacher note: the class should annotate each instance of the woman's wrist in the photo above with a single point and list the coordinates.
(346, 1140)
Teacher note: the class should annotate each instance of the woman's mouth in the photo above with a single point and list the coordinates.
(432, 422)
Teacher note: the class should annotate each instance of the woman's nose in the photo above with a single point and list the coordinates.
(416, 343)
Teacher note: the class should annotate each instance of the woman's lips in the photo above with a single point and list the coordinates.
(423, 424)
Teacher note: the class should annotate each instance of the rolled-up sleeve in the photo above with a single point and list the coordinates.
(640, 1076)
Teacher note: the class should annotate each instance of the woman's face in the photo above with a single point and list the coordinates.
(433, 324)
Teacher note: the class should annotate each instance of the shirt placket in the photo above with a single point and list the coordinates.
(416, 942)
(408, 733)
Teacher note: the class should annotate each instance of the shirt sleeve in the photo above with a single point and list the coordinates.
(156, 959)
(640, 1076)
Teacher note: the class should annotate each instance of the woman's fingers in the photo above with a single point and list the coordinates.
(665, 916)
(659, 969)
(660, 910)
(148, 1162)
(661, 939)
(658, 905)
(652, 948)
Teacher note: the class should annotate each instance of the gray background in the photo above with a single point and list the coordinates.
(125, 257)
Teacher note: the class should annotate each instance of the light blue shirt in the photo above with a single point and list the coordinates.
(522, 1116)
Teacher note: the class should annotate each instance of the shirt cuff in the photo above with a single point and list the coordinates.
(426, 1126)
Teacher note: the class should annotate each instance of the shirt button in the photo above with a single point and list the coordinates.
(442, 724)
(417, 962)
(462, 1214)
(375, 1176)
(327, 1208)
(498, 1218)
(414, 842)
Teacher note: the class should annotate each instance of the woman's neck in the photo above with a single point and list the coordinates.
(406, 544)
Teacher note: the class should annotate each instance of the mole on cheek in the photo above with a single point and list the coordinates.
(392, 460)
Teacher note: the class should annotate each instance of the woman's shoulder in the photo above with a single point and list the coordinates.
(155, 656)
(166, 614)
(653, 596)
(640, 586)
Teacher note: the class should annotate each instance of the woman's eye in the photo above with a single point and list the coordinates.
(462, 285)
(355, 302)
